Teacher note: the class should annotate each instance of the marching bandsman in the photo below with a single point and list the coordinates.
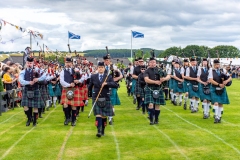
(71, 95)
(177, 83)
(191, 75)
(153, 91)
(31, 98)
(218, 90)
(185, 83)
(134, 80)
(136, 72)
(204, 88)
(142, 85)
(171, 69)
(116, 75)
(103, 107)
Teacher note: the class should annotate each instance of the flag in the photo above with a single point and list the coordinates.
(73, 36)
(137, 34)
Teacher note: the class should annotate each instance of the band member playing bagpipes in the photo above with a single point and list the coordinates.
(185, 83)
(218, 90)
(142, 85)
(154, 97)
(191, 75)
(170, 82)
(134, 79)
(71, 94)
(102, 106)
(204, 87)
(31, 95)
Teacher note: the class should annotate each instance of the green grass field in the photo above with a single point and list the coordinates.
(179, 135)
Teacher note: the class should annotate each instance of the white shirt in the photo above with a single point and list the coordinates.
(181, 71)
(188, 71)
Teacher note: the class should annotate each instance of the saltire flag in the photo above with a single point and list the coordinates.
(137, 34)
(73, 36)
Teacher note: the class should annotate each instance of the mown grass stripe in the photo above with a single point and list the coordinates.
(23, 136)
(10, 117)
(206, 130)
(116, 142)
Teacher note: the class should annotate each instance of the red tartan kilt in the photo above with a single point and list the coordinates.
(77, 100)
(85, 92)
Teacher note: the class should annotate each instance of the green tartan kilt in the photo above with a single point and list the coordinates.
(192, 93)
(133, 85)
(176, 89)
(170, 83)
(137, 88)
(114, 97)
(44, 92)
(142, 94)
(106, 111)
(202, 95)
(185, 86)
(223, 98)
(54, 91)
(35, 102)
(149, 98)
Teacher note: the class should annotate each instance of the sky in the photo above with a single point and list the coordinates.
(100, 23)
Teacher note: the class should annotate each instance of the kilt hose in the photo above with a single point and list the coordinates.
(133, 86)
(149, 98)
(35, 102)
(223, 98)
(44, 92)
(54, 90)
(192, 93)
(77, 100)
(137, 89)
(114, 97)
(106, 111)
(176, 89)
(202, 95)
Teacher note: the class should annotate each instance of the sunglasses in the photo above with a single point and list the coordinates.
(143, 69)
(140, 61)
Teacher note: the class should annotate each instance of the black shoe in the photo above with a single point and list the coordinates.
(74, 123)
(174, 103)
(103, 132)
(66, 122)
(111, 122)
(219, 120)
(151, 123)
(180, 104)
(205, 116)
(99, 134)
(193, 110)
(137, 108)
(34, 124)
(28, 123)
(216, 120)
(40, 116)
(156, 121)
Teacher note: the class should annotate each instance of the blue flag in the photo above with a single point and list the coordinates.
(73, 36)
(137, 34)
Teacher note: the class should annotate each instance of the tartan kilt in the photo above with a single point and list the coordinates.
(223, 98)
(142, 94)
(149, 98)
(44, 92)
(106, 111)
(35, 102)
(191, 93)
(176, 89)
(133, 85)
(114, 97)
(202, 95)
(52, 92)
(85, 90)
(137, 88)
(77, 100)
(185, 85)
(170, 83)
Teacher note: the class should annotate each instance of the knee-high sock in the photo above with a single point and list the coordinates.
(157, 113)
(174, 96)
(39, 112)
(98, 122)
(138, 101)
(185, 99)
(28, 113)
(166, 92)
(78, 110)
(143, 107)
(104, 124)
(220, 110)
(204, 104)
(177, 97)
(208, 108)
(180, 98)
(35, 117)
(171, 95)
(196, 104)
(74, 115)
(151, 114)
(192, 101)
(215, 108)
(66, 113)
(54, 101)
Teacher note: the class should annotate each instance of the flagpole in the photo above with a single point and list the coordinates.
(131, 45)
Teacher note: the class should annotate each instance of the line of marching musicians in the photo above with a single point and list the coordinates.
(45, 82)
(185, 82)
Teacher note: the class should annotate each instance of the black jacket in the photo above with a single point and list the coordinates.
(95, 85)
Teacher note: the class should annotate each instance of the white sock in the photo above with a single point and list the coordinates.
(47, 103)
(176, 99)
(204, 107)
(216, 110)
(192, 102)
(171, 93)
(196, 104)
(113, 110)
(208, 108)
(180, 98)
(54, 100)
(220, 109)
(185, 99)
(110, 118)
